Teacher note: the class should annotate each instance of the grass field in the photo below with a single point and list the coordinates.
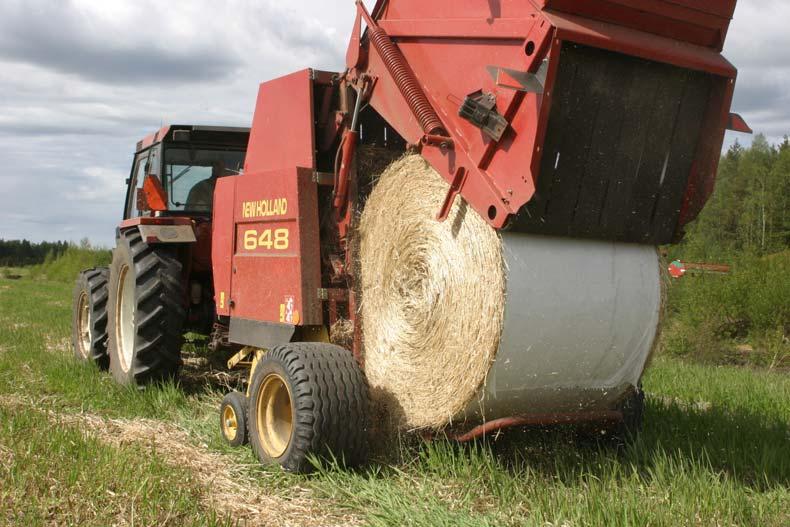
(75, 449)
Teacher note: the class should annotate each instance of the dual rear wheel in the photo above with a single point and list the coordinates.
(146, 311)
(129, 318)
(89, 316)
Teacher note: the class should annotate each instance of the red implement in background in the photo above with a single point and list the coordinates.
(678, 269)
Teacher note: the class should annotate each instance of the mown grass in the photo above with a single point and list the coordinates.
(715, 449)
(53, 474)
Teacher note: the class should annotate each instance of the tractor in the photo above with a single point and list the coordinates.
(130, 318)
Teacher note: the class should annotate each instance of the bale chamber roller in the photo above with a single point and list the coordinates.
(471, 209)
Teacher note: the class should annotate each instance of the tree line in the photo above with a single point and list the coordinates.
(749, 212)
(19, 253)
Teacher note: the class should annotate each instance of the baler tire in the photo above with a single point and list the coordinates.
(89, 317)
(154, 328)
(328, 397)
(234, 407)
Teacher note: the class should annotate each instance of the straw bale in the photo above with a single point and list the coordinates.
(433, 296)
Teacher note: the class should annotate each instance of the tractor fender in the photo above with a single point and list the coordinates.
(167, 233)
(162, 230)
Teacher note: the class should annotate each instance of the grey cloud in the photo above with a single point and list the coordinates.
(757, 45)
(33, 129)
(58, 38)
(755, 93)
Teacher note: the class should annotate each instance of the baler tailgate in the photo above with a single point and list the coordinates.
(700, 22)
(620, 143)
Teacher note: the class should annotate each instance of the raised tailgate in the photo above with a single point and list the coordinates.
(700, 22)
(620, 144)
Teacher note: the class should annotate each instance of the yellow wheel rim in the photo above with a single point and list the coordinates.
(84, 324)
(230, 424)
(124, 318)
(274, 416)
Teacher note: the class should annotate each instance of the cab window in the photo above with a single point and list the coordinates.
(136, 183)
(190, 175)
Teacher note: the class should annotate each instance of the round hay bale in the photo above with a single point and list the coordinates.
(432, 297)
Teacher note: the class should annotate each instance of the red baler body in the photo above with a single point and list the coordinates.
(264, 273)
(611, 116)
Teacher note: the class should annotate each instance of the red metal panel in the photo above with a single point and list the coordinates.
(721, 8)
(507, 29)
(639, 44)
(282, 134)
(276, 260)
(222, 242)
(389, 102)
(153, 138)
(456, 9)
(693, 21)
(158, 220)
(451, 47)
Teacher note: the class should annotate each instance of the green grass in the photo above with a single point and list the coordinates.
(724, 462)
(65, 267)
(53, 474)
(715, 450)
(739, 318)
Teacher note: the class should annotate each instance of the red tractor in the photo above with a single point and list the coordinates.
(160, 281)
(552, 119)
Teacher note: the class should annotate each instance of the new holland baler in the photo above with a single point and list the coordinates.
(586, 133)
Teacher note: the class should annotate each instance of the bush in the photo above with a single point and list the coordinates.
(708, 314)
(753, 297)
(66, 267)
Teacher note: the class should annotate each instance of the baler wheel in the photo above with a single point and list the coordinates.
(308, 399)
(233, 419)
(89, 316)
(146, 311)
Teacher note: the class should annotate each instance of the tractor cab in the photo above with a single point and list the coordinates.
(176, 168)
(169, 204)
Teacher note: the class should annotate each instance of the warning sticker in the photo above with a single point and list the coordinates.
(288, 311)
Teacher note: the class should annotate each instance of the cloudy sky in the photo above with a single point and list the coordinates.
(82, 80)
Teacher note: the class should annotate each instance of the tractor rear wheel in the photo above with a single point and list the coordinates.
(308, 399)
(89, 316)
(146, 313)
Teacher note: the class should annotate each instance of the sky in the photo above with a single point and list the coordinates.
(81, 81)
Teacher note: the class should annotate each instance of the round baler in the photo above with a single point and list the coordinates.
(456, 234)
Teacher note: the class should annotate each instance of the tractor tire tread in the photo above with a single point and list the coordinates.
(94, 283)
(160, 313)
